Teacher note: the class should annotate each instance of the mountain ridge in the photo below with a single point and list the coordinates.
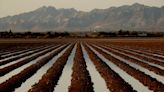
(136, 17)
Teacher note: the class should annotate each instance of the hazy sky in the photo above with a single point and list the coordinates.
(12, 7)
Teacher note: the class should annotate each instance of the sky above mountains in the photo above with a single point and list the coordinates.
(12, 7)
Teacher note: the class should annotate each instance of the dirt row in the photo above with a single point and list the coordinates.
(10, 68)
(113, 81)
(145, 65)
(149, 49)
(16, 80)
(50, 79)
(147, 80)
(21, 52)
(6, 48)
(16, 58)
(145, 45)
(81, 80)
(13, 47)
(141, 52)
(139, 56)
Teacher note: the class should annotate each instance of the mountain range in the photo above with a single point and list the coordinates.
(136, 17)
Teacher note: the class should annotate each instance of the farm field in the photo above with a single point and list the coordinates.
(82, 65)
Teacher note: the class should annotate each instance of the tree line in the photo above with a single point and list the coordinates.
(120, 33)
(10, 34)
(126, 33)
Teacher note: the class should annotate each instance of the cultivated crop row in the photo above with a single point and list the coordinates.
(114, 82)
(9, 68)
(50, 79)
(147, 80)
(82, 65)
(127, 56)
(81, 80)
(16, 80)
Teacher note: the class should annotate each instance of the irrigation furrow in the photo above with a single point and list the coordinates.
(65, 79)
(113, 80)
(19, 52)
(18, 70)
(162, 56)
(148, 48)
(134, 70)
(138, 67)
(153, 52)
(16, 80)
(81, 80)
(8, 52)
(23, 61)
(159, 57)
(39, 51)
(132, 59)
(147, 59)
(145, 53)
(13, 58)
(38, 76)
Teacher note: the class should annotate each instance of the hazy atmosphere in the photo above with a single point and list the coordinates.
(12, 7)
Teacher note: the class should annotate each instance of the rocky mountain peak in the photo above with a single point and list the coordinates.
(134, 17)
